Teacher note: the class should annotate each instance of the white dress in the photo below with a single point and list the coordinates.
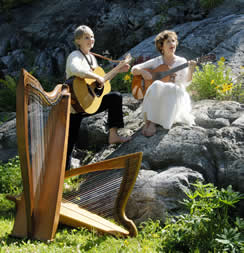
(166, 103)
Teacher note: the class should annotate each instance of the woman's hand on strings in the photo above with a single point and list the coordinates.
(100, 81)
(125, 68)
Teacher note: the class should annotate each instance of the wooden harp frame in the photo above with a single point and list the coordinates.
(33, 218)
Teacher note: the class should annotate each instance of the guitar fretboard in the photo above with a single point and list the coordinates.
(160, 75)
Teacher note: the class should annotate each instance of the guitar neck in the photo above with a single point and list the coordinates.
(111, 74)
(171, 71)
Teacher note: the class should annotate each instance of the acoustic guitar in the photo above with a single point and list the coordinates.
(139, 86)
(87, 91)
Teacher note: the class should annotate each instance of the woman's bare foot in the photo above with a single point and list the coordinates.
(151, 129)
(144, 129)
(118, 139)
(114, 138)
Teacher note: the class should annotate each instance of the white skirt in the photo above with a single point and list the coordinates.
(166, 104)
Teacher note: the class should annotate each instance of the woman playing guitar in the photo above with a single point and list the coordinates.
(81, 63)
(166, 101)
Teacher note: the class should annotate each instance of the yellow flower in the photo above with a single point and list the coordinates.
(126, 242)
(212, 82)
(222, 59)
(127, 77)
(155, 235)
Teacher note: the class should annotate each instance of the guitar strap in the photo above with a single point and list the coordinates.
(90, 63)
(105, 58)
(97, 55)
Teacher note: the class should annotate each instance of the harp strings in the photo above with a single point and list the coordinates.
(40, 124)
(97, 192)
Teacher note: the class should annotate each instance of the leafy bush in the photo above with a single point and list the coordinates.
(210, 4)
(208, 227)
(213, 82)
(8, 4)
(10, 177)
(122, 82)
(8, 94)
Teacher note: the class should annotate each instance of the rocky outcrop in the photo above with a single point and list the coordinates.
(211, 151)
(39, 36)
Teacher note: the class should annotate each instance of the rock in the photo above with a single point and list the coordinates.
(157, 194)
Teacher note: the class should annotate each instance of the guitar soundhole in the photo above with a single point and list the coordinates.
(97, 90)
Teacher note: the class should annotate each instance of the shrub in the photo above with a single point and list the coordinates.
(213, 82)
(10, 177)
(122, 82)
(208, 227)
(8, 94)
(8, 4)
(210, 4)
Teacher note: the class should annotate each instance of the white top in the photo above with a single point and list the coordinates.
(166, 103)
(77, 65)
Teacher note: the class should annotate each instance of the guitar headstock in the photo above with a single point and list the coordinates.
(206, 58)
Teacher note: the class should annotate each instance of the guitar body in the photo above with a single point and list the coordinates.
(139, 86)
(87, 93)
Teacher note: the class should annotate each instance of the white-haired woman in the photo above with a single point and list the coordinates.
(81, 63)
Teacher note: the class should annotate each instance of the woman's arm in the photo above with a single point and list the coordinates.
(140, 69)
(191, 68)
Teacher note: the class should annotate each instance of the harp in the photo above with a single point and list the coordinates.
(42, 122)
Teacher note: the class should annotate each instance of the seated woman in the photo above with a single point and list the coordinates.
(166, 103)
(81, 63)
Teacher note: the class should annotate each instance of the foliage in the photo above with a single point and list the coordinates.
(210, 4)
(8, 94)
(122, 82)
(208, 227)
(238, 92)
(9, 4)
(213, 82)
(10, 177)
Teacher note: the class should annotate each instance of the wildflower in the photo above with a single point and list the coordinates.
(222, 59)
(212, 82)
(126, 242)
(127, 77)
(155, 235)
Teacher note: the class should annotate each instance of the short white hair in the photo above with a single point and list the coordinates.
(79, 31)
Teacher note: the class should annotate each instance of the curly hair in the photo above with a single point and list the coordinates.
(161, 37)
